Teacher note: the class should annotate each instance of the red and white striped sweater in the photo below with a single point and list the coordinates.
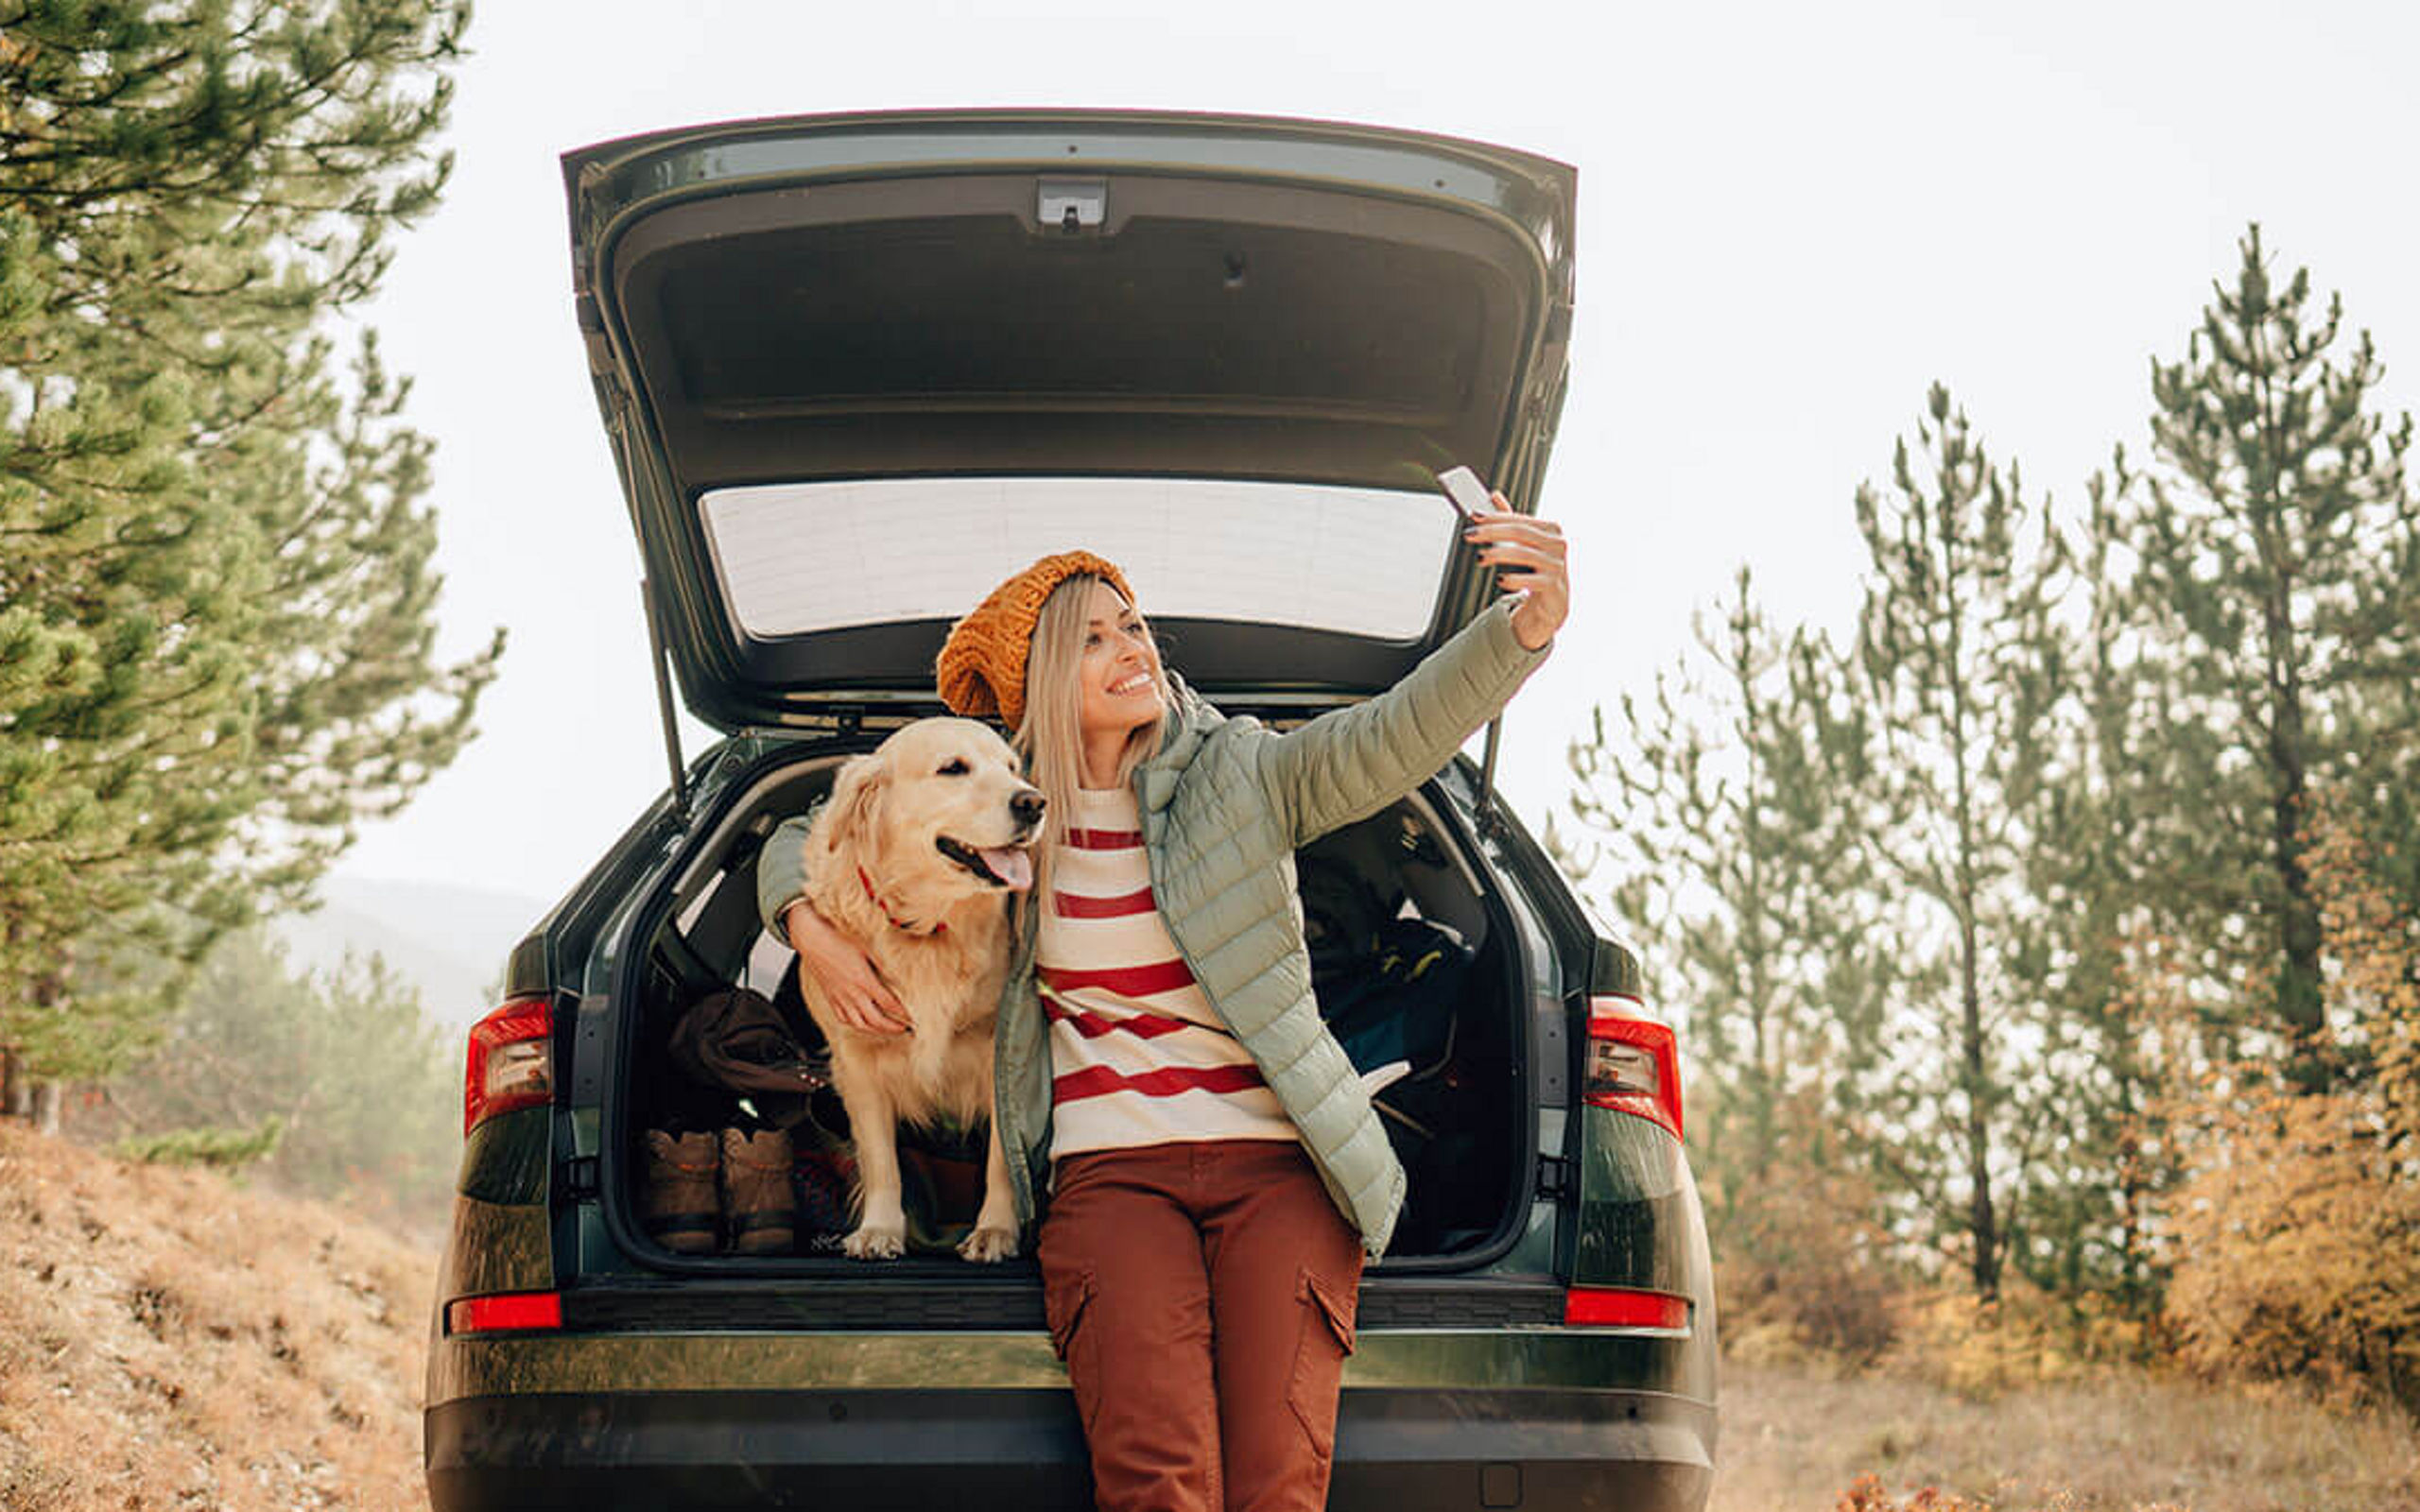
(1138, 1055)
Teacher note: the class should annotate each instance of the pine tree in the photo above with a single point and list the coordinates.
(2099, 827)
(216, 608)
(1959, 667)
(2280, 547)
(1716, 818)
(335, 1082)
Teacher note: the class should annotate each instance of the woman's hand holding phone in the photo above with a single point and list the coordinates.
(1532, 549)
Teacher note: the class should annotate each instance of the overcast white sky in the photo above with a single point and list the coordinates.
(1793, 218)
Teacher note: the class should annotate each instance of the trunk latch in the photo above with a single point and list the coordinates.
(1074, 205)
(583, 1180)
(1554, 1178)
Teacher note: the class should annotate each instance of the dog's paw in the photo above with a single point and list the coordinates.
(986, 1246)
(874, 1243)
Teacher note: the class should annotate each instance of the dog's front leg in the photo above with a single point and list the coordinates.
(995, 1224)
(881, 1232)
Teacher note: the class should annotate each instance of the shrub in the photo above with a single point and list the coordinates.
(2296, 1231)
(227, 1148)
(2298, 1246)
(1802, 1266)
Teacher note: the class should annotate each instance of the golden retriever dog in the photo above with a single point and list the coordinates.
(914, 858)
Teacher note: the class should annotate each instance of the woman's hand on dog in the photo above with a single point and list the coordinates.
(1533, 550)
(851, 985)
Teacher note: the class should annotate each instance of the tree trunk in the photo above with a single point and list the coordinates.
(1980, 1217)
(16, 1088)
(2298, 996)
(2268, 513)
(49, 1098)
(1980, 1221)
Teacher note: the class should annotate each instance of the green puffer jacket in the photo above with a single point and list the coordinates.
(1225, 804)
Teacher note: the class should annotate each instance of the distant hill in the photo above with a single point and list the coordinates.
(449, 941)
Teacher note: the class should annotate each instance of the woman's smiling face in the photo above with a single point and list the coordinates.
(1120, 672)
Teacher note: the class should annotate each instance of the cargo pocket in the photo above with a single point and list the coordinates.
(1325, 1339)
(1066, 1299)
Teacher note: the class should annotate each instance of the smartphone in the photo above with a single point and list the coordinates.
(1468, 493)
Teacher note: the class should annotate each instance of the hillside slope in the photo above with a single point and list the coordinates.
(169, 1339)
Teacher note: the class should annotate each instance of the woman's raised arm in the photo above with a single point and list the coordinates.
(1349, 764)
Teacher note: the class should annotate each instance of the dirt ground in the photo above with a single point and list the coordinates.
(172, 1340)
(1793, 1440)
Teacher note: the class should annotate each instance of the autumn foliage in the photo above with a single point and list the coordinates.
(2296, 1231)
(1868, 1494)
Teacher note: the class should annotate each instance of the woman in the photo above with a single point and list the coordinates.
(1212, 1170)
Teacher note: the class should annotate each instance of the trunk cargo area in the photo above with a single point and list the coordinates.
(1413, 961)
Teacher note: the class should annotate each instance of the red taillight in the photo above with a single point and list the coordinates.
(511, 1061)
(505, 1309)
(1633, 1063)
(1615, 1307)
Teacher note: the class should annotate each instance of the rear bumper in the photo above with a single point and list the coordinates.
(1396, 1449)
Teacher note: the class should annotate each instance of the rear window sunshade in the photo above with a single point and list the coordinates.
(795, 559)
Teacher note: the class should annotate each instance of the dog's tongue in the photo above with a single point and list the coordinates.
(1015, 867)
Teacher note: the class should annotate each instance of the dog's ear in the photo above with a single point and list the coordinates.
(856, 803)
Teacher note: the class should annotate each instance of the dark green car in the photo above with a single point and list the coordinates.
(854, 371)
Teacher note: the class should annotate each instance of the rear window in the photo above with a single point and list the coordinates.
(793, 558)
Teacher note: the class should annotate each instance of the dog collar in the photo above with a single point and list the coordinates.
(867, 882)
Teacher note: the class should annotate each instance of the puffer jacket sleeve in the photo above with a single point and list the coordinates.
(781, 870)
(1348, 764)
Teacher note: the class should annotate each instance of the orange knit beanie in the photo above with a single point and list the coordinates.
(982, 667)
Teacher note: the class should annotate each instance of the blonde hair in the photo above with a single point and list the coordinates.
(1050, 736)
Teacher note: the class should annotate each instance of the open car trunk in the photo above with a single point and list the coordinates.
(794, 325)
(1414, 960)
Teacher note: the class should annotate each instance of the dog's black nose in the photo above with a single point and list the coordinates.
(1027, 807)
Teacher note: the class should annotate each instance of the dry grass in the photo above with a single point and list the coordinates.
(1795, 1439)
(172, 1340)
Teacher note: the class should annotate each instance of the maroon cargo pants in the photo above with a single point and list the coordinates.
(1202, 1298)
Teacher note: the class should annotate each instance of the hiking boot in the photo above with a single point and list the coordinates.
(757, 1202)
(677, 1201)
